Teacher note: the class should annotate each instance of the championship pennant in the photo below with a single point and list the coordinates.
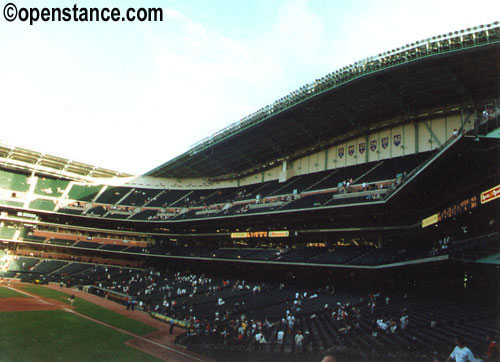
(351, 150)
(397, 140)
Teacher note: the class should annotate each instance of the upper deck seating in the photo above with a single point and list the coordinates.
(85, 193)
(140, 197)
(390, 168)
(47, 266)
(112, 195)
(145, 215)
(167, 198)
(50, 187)
(42, 204)
(14, 181)
(22, 264)
(7, 232)
(96, 210)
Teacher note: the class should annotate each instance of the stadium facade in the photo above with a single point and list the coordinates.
(379, 177)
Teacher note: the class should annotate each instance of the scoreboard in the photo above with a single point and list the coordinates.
(463, 206)
(457, 208)
(451, 211)
(261, 234)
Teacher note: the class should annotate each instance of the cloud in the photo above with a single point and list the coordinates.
(132, 96)
(299, 31)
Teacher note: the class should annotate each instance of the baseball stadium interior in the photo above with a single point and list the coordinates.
(360, 211)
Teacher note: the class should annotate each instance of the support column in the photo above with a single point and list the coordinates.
(433, 136)
(416, 137)
(284, 172)
(326, 160)
(367, 148)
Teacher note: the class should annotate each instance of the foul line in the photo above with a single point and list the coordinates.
(110, 326)
(31, 295)
(133, 335)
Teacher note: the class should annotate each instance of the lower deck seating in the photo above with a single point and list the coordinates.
(325, 317)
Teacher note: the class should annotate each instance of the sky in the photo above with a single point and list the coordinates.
(129, 96)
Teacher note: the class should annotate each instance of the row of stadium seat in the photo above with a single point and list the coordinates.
(349, 255)
(201, 296)
(121, 202)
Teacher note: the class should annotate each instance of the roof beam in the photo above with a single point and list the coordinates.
(272, 144)
(220, 166)
(393, 93)
(241, 154)
(190, 169)
(454, 76)
(351, 117)
(433, 135)
(304, 130)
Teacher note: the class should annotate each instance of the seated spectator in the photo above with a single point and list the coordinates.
(280, 336)
(433, 321)
(492, 351)
(485, 116)
(257, 340)
(393, 327)
(404, 321)
(262, 341)
(382, 325)
(345, 330)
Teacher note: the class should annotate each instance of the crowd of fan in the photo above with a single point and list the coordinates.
(173, 295)
(226, 322)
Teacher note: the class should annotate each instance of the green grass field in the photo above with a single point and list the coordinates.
(62, 336)
(93, 311)
(9, 293)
